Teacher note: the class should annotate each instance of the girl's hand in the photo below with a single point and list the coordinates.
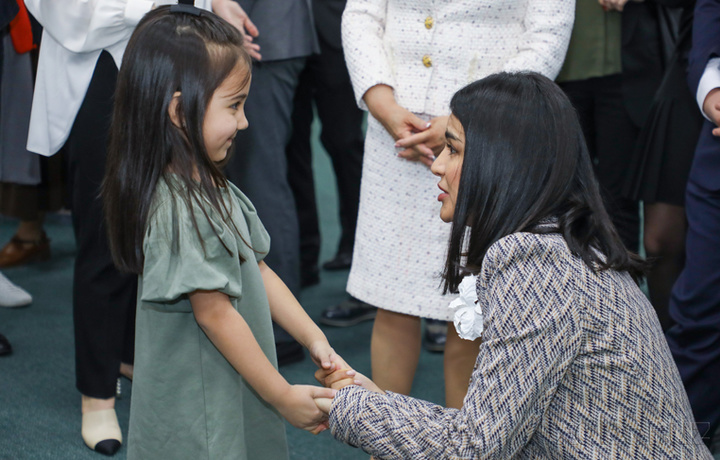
(432, 139)
(298, 407)
(336, 380)
(325, 357)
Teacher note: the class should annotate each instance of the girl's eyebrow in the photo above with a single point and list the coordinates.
(238, 96)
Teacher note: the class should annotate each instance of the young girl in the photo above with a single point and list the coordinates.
(573, 362)
(205, 383)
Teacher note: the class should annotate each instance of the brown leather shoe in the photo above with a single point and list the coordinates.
(19, 252)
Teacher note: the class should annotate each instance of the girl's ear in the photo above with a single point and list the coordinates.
(175, 117)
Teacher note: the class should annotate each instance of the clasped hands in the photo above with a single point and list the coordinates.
(335, 374)
(416, 139)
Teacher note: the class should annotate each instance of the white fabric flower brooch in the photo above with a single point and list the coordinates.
(468, 317)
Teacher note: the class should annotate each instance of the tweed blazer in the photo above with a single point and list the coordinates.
(428, 49)
(573, 365)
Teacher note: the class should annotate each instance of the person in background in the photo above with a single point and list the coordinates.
(573, 363)
(325, 83)
(660, 167)
(284, 35)
(695, 301)
(30, 185)
(613, 68)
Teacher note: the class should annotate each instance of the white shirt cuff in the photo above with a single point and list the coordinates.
(709, 81)
(136, 9)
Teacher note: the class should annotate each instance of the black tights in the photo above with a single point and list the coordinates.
(664, 238)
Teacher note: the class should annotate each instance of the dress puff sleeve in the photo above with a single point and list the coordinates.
(180, 259)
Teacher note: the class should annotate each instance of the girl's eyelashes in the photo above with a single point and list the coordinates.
(235, 105)
(451, 148)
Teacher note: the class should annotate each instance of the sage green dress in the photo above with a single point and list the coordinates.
(188, 402)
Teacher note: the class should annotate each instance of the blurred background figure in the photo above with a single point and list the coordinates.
(661, 162)
(325, 84)
(12, 295)
(285, 35)
(613, 68)
(694, 339)
(30, 185)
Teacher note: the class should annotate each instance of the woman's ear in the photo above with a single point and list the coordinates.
(175, 117)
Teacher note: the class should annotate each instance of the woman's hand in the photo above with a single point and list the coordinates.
(298, 407)
(432, 138)
(399, 122)
(233, 13)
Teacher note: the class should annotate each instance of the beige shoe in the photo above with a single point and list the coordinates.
(101, 431)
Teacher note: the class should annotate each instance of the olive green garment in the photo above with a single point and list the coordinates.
(188, 402)
(595, 43)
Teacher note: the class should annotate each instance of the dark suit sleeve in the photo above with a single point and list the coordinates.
(706, 39)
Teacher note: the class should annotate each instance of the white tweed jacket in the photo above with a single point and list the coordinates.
(428, 49)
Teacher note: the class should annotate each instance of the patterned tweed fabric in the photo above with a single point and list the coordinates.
(573, 365)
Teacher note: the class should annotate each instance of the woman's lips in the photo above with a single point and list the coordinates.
(443, 195)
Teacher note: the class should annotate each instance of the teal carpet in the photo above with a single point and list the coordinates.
(39, 405)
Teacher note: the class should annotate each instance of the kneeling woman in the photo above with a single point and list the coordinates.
(573, 362)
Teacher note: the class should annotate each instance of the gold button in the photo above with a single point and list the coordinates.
(427, 62)
(429, 21)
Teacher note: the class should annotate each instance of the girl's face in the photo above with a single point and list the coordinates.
(225, 114)
(447, 167)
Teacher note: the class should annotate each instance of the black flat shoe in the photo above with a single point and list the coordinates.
(435, 335)
(342, 261)
(289, 352)
(5, 347)
(348, 313)
(309, 276)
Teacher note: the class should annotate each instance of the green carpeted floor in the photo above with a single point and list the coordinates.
(39, 405)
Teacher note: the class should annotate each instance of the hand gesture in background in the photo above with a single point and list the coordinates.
(711, 107)
(233, 13)
(402, 124)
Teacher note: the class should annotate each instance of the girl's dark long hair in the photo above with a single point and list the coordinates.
(169, 51)
(525, 161)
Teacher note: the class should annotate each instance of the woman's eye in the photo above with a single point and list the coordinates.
(451, 149)
(235, 106)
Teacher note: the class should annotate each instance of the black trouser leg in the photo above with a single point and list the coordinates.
(103, 298)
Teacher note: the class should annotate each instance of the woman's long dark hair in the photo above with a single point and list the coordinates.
(525, 161)
(169, 51)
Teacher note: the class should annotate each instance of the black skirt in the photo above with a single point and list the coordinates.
(666, 144)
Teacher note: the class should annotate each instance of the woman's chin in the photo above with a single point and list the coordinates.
(446, 216)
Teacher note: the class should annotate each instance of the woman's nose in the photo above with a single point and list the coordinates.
(438, 166)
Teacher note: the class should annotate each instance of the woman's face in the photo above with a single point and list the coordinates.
(447, 167)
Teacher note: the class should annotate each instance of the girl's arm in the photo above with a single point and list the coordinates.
(229, 332)
(290, 315)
